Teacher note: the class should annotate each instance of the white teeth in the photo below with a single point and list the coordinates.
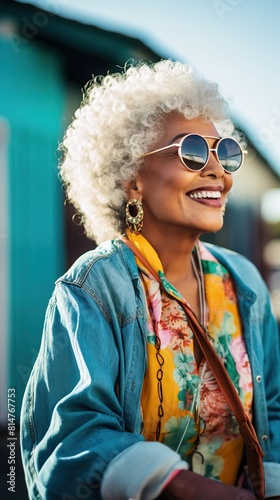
(206, 194)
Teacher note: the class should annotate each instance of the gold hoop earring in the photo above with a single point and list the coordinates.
(134, 215)
(223, 210)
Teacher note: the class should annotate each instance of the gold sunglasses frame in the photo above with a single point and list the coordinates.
(204, 137)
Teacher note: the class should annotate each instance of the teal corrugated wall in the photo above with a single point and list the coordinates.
(32, 96)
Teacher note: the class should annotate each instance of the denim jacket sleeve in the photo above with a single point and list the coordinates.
(75, 422)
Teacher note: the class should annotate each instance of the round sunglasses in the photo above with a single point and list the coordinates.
(194, 152)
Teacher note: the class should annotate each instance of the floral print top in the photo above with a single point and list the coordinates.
(197, 421)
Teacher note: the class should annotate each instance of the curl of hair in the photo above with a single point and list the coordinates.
(120, 118)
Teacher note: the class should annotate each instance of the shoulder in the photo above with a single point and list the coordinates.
(233, 259)
(106, 277)
(243, 271)
(110, 261)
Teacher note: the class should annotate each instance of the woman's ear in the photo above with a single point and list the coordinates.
(133, 189)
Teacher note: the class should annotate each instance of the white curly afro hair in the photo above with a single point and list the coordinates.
(120, 118)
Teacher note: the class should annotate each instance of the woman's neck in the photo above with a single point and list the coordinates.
(174, 250)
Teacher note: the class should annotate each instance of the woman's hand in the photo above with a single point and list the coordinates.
(188, 485)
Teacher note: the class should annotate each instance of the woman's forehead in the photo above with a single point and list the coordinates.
(177, 125)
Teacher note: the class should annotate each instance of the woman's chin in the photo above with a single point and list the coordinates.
(214, 226)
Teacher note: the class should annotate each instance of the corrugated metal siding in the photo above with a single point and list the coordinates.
(32, 101)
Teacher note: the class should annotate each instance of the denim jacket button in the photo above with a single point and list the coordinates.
(258, 378)
(264, 437)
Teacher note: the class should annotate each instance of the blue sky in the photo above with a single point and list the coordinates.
(234, 42)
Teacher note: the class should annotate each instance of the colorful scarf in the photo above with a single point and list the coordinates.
(197, 421)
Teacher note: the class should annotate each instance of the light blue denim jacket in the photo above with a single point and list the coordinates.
(80, 420)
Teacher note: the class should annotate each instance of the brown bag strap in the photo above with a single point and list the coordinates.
(254, 450)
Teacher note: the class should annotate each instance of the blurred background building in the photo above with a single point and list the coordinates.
(45, 61)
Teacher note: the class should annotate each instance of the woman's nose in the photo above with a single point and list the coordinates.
(213, 167)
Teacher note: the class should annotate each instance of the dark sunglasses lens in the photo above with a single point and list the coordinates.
(194, 151)
(230, 155)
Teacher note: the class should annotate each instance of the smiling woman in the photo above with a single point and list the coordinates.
(134, 405)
